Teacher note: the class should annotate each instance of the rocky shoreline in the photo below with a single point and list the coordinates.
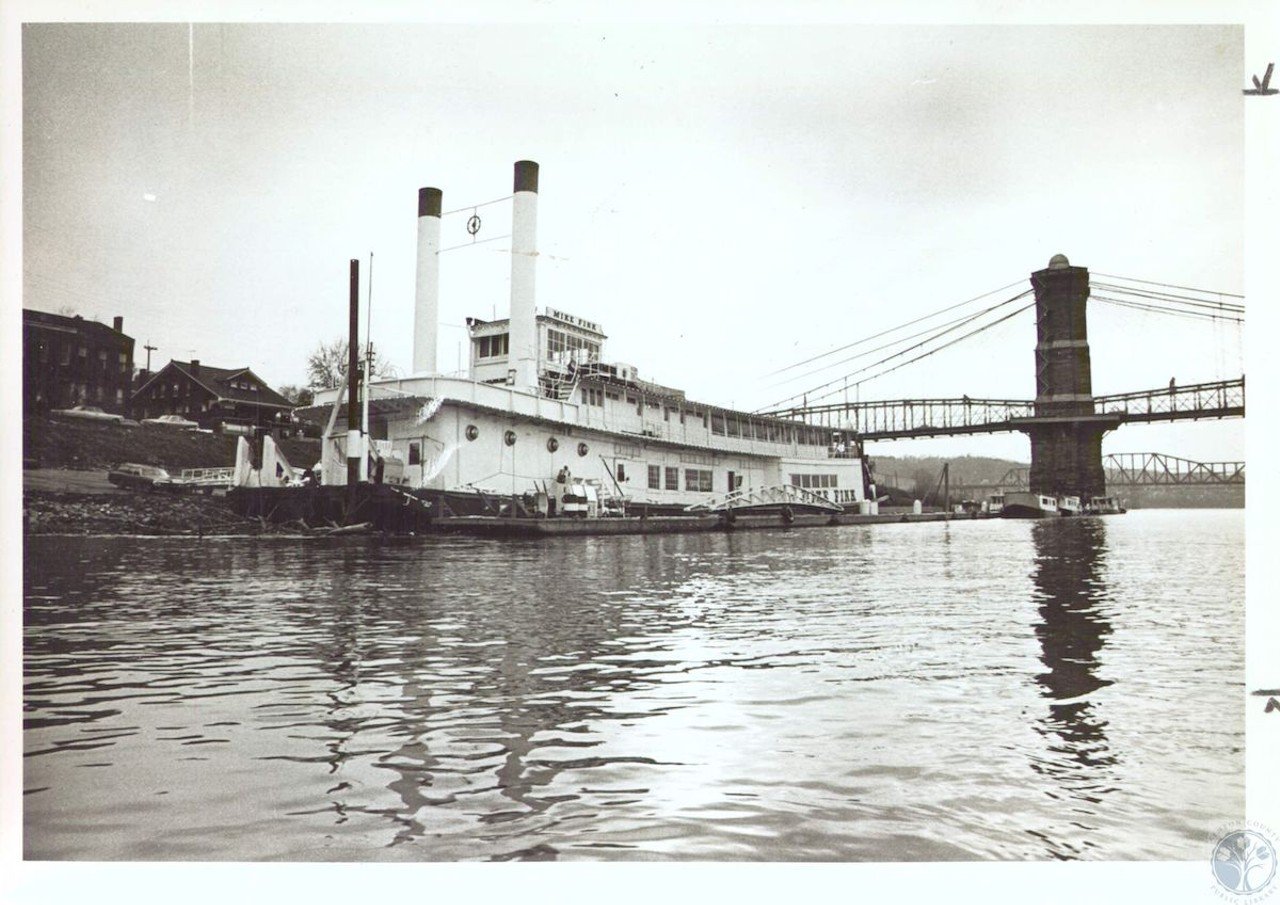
(55, 512)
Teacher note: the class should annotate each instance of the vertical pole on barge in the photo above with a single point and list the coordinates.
(353, 392)
(364, 384)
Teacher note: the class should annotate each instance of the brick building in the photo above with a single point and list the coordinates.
(69, 361)
(210, 396)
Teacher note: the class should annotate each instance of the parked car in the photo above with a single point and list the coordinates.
(231, 427)
(172, 421)
(132, 476)
(90, 412)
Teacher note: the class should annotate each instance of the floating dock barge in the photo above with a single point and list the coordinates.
(387, 509)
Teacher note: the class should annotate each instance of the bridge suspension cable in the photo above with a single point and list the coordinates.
(902, 326)
(1114, 276)
(1171, 297)
(1149, 295)
(1237, 318)
(1172, 303)
(941, 328)
(842, 382)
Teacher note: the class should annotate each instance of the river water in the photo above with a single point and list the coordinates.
(964, 690)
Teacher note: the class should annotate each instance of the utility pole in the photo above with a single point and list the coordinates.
(150, 348)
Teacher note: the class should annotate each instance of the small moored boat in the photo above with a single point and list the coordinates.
(1021, 504)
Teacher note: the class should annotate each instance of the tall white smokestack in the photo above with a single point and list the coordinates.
(523, 347)
(426, 303)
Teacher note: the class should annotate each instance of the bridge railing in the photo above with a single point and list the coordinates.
(916, 417)
(1198, 400)
(901, 418)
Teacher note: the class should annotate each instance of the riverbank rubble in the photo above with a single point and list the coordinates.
(56, 512)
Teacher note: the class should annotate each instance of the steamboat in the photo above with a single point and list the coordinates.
(543, 428)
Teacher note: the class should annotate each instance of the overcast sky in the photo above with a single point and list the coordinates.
(724, 200)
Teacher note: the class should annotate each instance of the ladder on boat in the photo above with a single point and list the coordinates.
(561, 386)
(779, 495)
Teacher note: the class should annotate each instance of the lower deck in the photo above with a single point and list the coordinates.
(443, 443)
(393, 510)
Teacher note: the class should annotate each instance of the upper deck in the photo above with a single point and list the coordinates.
(601, 402)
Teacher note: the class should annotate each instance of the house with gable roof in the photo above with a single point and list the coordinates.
(211, 396)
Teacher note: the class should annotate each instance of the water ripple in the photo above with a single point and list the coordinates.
(1054, 690)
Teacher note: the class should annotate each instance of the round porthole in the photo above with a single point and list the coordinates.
(553, 444)
(582, 449)
(509, 438)
(472, 431)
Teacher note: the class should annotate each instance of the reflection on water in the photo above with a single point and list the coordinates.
(941, 691)
(1070, 584)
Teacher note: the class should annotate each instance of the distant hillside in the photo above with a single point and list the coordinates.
(918, 475)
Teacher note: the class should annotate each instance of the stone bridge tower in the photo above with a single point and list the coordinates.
(1066, 440)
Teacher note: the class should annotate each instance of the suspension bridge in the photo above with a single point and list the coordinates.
(1065, 422)
(902, 419)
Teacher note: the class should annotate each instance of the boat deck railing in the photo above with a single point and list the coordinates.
(778, 495)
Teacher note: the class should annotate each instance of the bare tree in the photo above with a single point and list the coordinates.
(327, 365)
(298, 395)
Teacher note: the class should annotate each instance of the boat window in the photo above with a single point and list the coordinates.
(717, 424)
(559, 342)
(493, 346)
(697, 479)
(815, 481)
(622, 473)
(673, 478)
(415, 452)
(655, 475)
